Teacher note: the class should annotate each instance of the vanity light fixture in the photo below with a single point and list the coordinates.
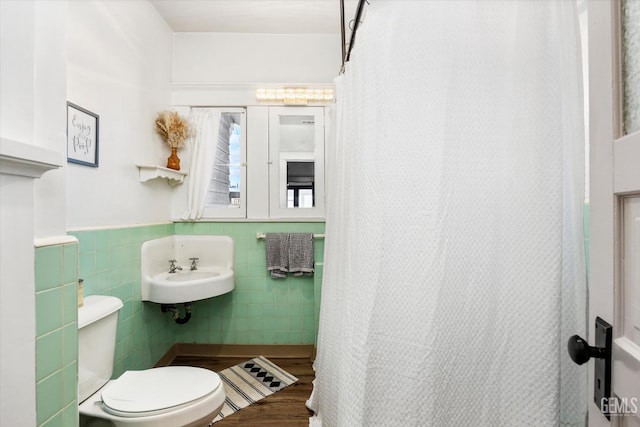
(295, 96)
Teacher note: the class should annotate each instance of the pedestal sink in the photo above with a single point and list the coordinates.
(203, 268)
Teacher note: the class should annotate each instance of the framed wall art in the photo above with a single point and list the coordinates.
(82, 136)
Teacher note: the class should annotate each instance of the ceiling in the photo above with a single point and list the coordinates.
(255, 16)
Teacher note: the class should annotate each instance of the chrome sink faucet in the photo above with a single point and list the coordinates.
(194, 263)
(173, 267)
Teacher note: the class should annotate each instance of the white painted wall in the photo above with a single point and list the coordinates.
(119, 67)
(234, 58)
(114, 58)
(32, 113)
(17, 304)
(49, 114)
(33, 85)
(17, 37)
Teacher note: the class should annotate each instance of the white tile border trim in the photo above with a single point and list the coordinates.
(54, 241)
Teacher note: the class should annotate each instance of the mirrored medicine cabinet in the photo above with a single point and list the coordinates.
(296, 162)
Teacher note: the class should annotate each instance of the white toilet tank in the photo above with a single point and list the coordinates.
(97, 326)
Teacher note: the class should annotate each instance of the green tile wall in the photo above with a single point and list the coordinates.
(260, 309)
(56, 276)
(110, 265)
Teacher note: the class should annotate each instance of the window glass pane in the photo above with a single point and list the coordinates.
(300, 184)
(631, 64)
(290, 195)
(305, 198)
(224, 188)
(234, 165)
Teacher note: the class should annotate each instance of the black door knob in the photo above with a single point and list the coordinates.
(580, 351)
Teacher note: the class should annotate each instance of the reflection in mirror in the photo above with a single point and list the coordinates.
(300, 181)
(296, 159)
(297, 145)
(224, 187)
(297, 134)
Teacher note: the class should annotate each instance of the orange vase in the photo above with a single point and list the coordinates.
(173, 162)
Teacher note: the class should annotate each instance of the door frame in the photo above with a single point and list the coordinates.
(610, 156)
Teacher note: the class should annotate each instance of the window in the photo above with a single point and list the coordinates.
(267, 162)
(226, 194)
(300, 183)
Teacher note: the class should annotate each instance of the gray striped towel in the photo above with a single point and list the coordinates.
(289, 253)
(277, 248)
(301, 254)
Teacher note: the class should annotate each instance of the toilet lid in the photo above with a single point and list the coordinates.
(157, 389)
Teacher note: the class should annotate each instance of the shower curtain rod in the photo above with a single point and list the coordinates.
(346, 54)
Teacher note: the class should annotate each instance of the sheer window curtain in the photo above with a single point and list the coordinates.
(206, 126)
(454, 266)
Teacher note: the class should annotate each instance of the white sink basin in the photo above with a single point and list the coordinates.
(214, 274)
(187, 276)
(188, 286)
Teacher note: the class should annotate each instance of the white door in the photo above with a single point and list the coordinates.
(614, 279)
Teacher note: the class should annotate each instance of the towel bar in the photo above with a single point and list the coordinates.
(260, 235)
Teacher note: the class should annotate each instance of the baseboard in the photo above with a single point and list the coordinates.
(168, 357)
(237, 350)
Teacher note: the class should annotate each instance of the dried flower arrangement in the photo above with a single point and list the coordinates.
(173, 128)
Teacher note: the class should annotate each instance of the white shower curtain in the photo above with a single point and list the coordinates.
(454, 263)
(205, 124)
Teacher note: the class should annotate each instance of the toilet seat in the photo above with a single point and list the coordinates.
(157, 390)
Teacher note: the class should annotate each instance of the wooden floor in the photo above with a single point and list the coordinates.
(283, 408)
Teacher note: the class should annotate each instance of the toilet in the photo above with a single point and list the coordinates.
(157, 397)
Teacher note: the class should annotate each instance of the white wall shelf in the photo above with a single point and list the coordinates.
(148, 172)
(27, 160)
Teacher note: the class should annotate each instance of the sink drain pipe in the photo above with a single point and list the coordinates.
(176, 313)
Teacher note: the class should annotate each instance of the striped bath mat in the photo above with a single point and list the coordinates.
(250, 381)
